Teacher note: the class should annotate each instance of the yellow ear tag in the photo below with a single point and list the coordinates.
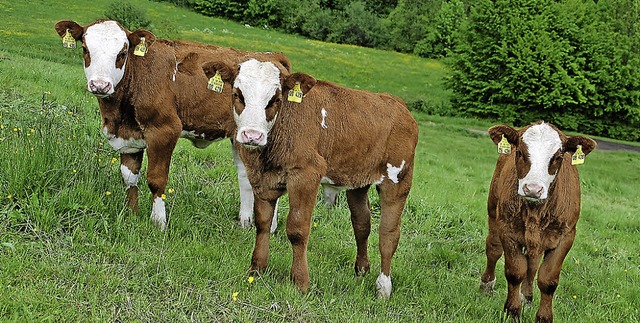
(141, 48)
(578, 157)
(216, 83)
(68, 41)
(504, 147)
(295, 95)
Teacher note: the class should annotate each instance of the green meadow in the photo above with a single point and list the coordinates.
(71, 251)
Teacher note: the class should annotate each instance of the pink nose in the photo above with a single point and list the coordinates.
(533, 190)
(99, 87)
(251, 137)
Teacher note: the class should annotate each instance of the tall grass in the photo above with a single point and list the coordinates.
(70, 250)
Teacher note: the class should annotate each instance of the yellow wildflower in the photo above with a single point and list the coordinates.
(9, 196)
(171, 190)
(575, 297)
(315, 224)
(113, 160)
(163, 196)
(235, 296)
(107, 193)
(75, 171)
(250, 279)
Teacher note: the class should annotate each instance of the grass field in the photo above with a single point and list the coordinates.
(70, 251)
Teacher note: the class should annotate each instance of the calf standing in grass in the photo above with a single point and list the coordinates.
(149, 94)
(534, 205)
(347, 138)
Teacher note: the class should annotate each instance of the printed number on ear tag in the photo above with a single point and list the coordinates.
(504, 147)
(68, 41)
(141, 49)
(578, 157)
(215, 83)
(295, 95)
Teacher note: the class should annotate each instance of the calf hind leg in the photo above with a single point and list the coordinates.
(358, 202)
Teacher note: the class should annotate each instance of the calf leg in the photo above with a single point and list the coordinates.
(533, 262)
(160, 144)
(130, 165)
(302, 198)
(493, 250)
(264, 212)
(515, 270)
(358, 202)
(549, 276)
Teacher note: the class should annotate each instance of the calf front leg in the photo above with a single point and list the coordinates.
(264, 210)
(302, 198)
(493, 251)
(160, 144)
(130, 165)
(515, 270)
(246, 195)
(549, 276)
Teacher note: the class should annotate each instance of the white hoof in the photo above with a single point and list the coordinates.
(158, 214)
(383, 286)
(488, 286)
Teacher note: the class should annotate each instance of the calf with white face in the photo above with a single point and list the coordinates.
(533, 207)
(295, 133)
(149, 98)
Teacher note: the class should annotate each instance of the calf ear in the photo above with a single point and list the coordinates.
(588, 144)
(306, 82)
(76, 30)
(188, 64)
(496, 133)
(227, 72)
(134, 38)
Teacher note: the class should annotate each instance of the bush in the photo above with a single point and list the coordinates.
(128, 15)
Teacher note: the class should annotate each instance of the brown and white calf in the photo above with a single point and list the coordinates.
(346, 138)
(534, 205)
(148, 102)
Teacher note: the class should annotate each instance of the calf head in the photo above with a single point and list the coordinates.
(106, 47)
(258, 89)
(540, 149)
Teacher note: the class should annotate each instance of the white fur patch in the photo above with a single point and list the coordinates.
(124, 146)
(542, 143)
(383, 286)
(130, 179)
(104, 41)
(378, 182)
(258, 82)
(324, 115)
(393, 172)
(158, 213)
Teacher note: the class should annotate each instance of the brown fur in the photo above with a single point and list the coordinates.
(530, 231)
(365, 131)
(148, 104)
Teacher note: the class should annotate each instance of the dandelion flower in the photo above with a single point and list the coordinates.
(250, 279)
(235, 296)
(75, 171)
(163, 196)
(15, 129)
(170, 191)
(107, 193)
(315, 224)
(113, 160)
(575, 297)
(9, 196)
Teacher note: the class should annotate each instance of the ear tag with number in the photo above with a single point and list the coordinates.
(295, 95)
(578, 157)
(141, 48)
(216, 83)
(68, 41)
(504, 147)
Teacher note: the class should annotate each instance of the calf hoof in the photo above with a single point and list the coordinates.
(527, 300)
(245, 220)
(362, 266)
(513, 313)
(383, 286)
(487, 287)
(301, 282)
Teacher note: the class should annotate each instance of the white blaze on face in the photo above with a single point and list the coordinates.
(104, 41)
(542, 143)
(258, 83)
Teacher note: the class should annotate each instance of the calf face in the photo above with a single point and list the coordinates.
(539, 152)
(106, 48)
(257, 96)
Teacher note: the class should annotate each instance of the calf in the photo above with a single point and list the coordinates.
(534, 204)
(149, 97)
(346, 138)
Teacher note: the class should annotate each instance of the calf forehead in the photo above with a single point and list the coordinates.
(542, 140)
(258, 81)
(105, 37)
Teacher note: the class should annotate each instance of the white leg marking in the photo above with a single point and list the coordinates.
(130, 179)
(383, 286)
(274, 220)
(488, 286)
(158, 215)
(246, 192)
(394, 171)
(324, 115)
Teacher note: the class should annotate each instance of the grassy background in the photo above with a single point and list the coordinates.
(69, 250)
